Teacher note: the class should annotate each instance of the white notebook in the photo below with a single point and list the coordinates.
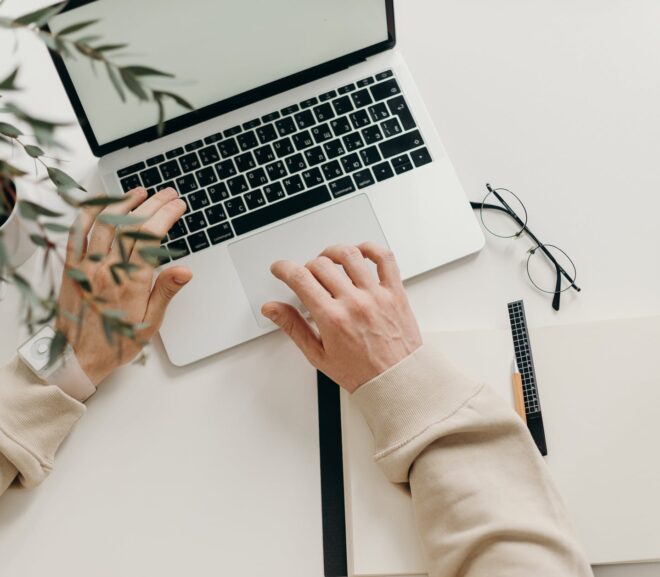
(599, 387)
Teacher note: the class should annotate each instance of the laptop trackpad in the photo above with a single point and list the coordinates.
(350, 222)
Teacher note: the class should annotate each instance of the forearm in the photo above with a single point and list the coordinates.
(34, 420)
(484, 501)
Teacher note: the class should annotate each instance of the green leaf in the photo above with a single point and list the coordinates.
(76, 27)
(102, 201)
(57, 346)
(81, 278)
(25, 289)
(139, 235)
(9, 170)
(133, 84)
(112, 74)
(96, 256)
(56, 227)
(9, 83)
(115, 275)
(178, 99)
(33, 151)
(62, 180)
(40, 17)
(73, 318)
(113, 314)
(146, 71)
(9, 130)
(30, 210)
(120, 219)
(39, 240)
(110, 47)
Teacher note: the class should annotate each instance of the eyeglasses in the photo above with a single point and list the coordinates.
(549, 268)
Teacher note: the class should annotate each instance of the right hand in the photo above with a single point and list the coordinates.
(365, 324)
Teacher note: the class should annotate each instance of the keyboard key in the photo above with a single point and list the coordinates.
(178, 230)
(370, 155)
(341, 126)
(351, 163)
(372, 134)
(218, 192)
(304, 119)
(276, 170)
(385, 89)
(400, 144)
(264, 154)
(315, 156)
(220, 233)
(324, 112)
(266, 133)
(251, 124)
(186, 184)
(151, 177)
(181, 248)
(360, 119)
(130, 182)
(209, 155)
(309, 103)
(174, 152)
(322, 133)
(274, 192)
(254, 199)
(226, 169)
(295, 163)
(279, 210)
(346, 89)
(257, 178)
(353, 141)
(270, 117)
(247, 140)
(384, 75)
(290, 109)
(334, 148)
(342, 105)
(151, 192)
(342, 186)
(232, 131)
(399, 107)
(154, 160)
(195, 221)
(283, 147)
(286, 126)
(403, 167)
(363, 178)
(228, 147)
(421, 157)
(206, 176)
(361, 98)
(194, 145)
(198, 241)
(170, 169)
(131, 169)
(365, 82)
(164, 185)
(198, 199)
(189, 162)
(332, 170)
(235, 206)
(383, 171)
(391, 127)
(293, 184)
(245, 162)
(302, 140)
(328, 96)
(237, 185)
(312, 177)
(213, 138)
(379, 112)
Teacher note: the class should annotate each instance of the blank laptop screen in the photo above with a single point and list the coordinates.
(216, 49)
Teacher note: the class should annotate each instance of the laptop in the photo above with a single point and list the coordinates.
(308, 131)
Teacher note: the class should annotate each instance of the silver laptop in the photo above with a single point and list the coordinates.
(308, 131)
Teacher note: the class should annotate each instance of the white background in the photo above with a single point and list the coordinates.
(557, 101)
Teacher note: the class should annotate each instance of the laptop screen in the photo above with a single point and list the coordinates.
(216, 49)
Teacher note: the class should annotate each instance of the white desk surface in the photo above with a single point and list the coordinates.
(557, 101)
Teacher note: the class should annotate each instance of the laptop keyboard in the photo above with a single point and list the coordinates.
(286, 162)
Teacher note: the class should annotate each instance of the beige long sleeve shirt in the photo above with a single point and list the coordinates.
(484, 501)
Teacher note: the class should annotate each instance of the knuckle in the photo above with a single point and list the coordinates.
(387, 255)
(299, 274)
(349, 252)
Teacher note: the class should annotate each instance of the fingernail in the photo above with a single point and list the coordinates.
(271, 314)
(182, 202)
(181, 280)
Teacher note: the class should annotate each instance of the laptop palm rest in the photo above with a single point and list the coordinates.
(300, 240)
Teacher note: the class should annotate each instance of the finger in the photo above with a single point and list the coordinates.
(145, 211)
(76, 246)
(103, 233)
(352, 259)
(158, 225)
(302, 282)
(386, 265)
(168, 283)
(333, 279)
(291, 322)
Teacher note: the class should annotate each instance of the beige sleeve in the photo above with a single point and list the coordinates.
(484, 502)
(34, 420)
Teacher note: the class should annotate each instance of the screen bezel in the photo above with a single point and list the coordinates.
(217, 108)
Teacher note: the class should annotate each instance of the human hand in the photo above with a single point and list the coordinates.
(135, 298)
(364, 326)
